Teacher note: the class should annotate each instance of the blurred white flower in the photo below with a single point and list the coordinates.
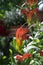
(40, 2)
(42, 22)
(31, 37)
(14, 37)
(31, 62)
(25, 50)
(41, 7)
(1, 54)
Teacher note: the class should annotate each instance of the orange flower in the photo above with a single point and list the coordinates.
(24, 12)
(25, 56)
(32, 2)
(21, 31)
(29, 14)
(20, 35)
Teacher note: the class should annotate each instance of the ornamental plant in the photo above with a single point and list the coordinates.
(27, 47)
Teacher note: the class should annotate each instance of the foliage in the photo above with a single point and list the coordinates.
(30, 50)
(14, 17)
(6, 5)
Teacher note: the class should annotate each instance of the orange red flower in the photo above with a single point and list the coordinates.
(29, 14)
(23, 57)
(26, 12)
(27, 55)
(32, 2)
(21, 35)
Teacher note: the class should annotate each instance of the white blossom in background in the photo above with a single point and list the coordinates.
(31, 62)
(14, 37)
(40, 2)
(42, 22)
(40, 5)
(1, 54)
(30, 37)
(18, 11)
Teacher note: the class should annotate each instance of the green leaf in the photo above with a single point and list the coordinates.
(10, 51)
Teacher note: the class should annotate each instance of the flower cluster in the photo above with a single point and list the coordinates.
(30, 10)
